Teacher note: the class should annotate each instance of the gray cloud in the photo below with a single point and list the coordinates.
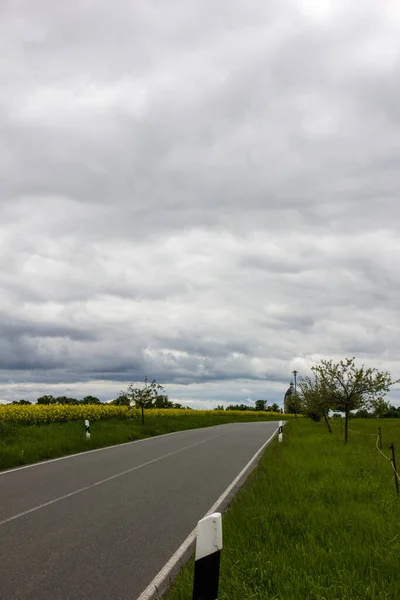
(203, 193)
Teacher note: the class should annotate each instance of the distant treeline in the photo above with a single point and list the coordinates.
(391, 412)
(61, 400)
(381, 411)
(122, 400)
(260, 405)
(149, 401)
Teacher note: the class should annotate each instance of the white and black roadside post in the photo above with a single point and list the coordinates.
(280, 431)
(208, 553)
(87, 427)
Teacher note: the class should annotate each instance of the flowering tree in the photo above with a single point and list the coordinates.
(151, 395)
(348, 388)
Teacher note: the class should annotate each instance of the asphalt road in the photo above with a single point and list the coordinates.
(100, 525)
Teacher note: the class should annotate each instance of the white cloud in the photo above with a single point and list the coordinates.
(203, 193)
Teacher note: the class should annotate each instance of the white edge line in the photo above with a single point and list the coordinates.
(165, 572)
(85, 452)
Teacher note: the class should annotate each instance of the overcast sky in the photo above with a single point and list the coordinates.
(203, 192)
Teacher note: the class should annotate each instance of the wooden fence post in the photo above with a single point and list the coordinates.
(393, 461)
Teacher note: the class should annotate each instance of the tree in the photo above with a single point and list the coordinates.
(293, 404)
(274, 407)
(261, 405)
(90, 400)
(380, 407)
(350, 388)
(47, 399)
(363, 414)
(219, 407)
(393, 413)
(122, 400)
(315, 399)
(21, 402)
(162, 401)
(65, 400)
(148, 396)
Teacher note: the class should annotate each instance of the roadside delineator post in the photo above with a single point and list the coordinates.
(87, 427)
(280, 431)
(208, 554)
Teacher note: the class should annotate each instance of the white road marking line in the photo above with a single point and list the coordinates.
(153, 587)
(97, 483)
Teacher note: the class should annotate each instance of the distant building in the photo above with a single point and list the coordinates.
(287, 398)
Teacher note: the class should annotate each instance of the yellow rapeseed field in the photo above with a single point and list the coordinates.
(39, 414)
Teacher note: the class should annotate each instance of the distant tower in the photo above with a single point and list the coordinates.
(295, 381)
(288, 395)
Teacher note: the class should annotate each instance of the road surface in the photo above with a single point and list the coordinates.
(100, 525)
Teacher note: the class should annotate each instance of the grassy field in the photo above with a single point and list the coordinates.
(317, 520)
(24, 443)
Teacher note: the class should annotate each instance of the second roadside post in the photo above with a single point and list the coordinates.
(280, 431)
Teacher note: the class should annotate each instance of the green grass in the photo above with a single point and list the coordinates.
(24, 444)
(317, 520)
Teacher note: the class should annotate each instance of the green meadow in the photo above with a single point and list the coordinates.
(317, 520)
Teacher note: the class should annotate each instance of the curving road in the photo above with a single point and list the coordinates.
(100, 525)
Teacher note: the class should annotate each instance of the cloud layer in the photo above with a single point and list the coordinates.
(206, 193)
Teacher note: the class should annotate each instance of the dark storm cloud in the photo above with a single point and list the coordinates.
(205, 193)
(14, 329)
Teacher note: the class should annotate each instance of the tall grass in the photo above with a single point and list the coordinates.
(25, 443)
(318, 520)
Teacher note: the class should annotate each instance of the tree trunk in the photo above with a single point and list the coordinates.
(346, 427)
(327, 423)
